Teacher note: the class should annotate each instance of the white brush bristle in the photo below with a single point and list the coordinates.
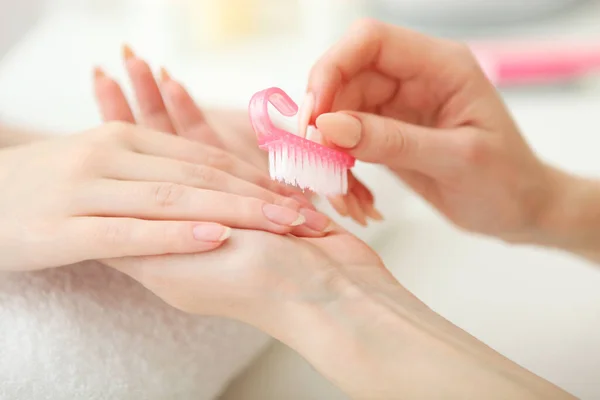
(307, 171)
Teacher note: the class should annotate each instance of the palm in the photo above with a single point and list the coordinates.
(253, 271)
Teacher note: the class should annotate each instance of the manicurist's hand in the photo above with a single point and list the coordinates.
(423, 107)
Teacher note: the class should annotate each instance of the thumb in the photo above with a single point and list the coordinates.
(396, 144)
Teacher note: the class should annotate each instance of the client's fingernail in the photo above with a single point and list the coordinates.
(339, 204)
(210, 232)
(306, 109)
(282, 215)
(373, 213)
(317, 221)
(341, 129)
(127, 52)
(99, 73)
(314, 135)
(355, 211)
(164, 75)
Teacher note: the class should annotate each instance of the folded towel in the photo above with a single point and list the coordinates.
(89, 332)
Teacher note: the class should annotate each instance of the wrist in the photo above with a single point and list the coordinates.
(571, 221)
(381, 342)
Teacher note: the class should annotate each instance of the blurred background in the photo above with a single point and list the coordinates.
(537, 307)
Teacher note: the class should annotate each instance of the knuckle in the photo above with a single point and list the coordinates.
(85, 157)
(168, 194)
(395, 141)
(283, 201)
(114, 232)
(464, 56)
(249, 208)
(118, 130)
(175, 237)
(475, 150)
(220, 160)
(200, 174)
(461, 49)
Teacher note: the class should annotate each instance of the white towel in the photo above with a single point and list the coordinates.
(89, 332)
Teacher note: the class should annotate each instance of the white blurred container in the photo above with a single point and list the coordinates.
(469, 12)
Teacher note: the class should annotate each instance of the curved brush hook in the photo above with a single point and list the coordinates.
(259, 112)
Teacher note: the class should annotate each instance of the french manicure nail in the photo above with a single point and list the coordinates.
(342, 129)
(373, 213)
(316, 221)
(339, 204)
(99, 73)
(210, 232)
(164, 75)
(127, 52)
(282, 215)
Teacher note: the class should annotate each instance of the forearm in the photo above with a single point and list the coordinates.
(386, 344)
(572, 221)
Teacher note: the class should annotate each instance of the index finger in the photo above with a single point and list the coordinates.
(391, 50)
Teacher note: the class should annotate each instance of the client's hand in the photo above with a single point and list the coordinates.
(256, 275)
(332, 300)
(167, 106)
(121, 190)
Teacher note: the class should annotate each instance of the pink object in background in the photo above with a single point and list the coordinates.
(523, 63)
(294, 159)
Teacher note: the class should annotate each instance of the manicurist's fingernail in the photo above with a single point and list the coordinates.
(210, 232)
(282, 215)
(341, 129)
(304, 114)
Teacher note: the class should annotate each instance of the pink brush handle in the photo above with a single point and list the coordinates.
(267, 132)
(259, 113)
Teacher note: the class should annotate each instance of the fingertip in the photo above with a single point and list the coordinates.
(339, 204)
(373, 212)
(355, 210)
(226, 234)
(164, 75)
(304, 231)
(211, 232)
(341, 129)
(99, 73)
(126, 52)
